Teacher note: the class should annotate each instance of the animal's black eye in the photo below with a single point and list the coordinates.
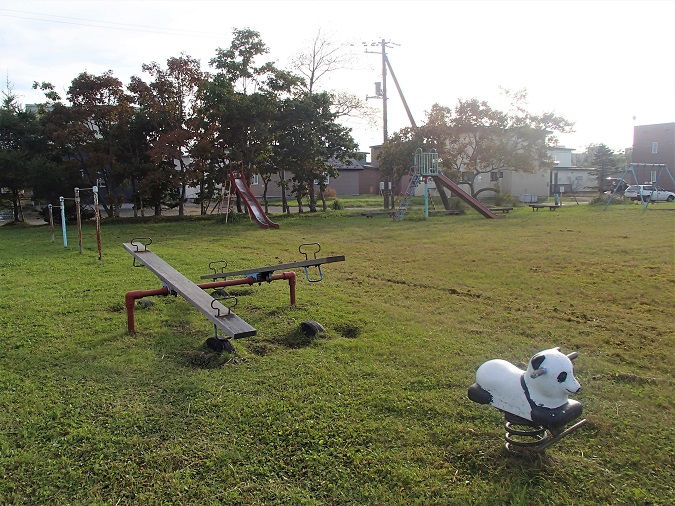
(562, 377)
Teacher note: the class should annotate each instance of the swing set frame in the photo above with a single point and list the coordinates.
(630, 169)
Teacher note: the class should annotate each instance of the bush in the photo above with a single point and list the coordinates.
(232, 217)
(603, 198)
(329, 193)
(456, 204)
(505, 200)
(337, 205)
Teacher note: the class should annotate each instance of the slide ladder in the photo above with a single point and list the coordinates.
(407, 196)
(476, 204)
(252, 204)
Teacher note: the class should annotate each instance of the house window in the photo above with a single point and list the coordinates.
(655, 148)
(326, 178)
(255, 180)
(494, 176)
(652, 175)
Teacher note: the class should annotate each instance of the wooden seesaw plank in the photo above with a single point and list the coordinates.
(271, 268)
(216, 312)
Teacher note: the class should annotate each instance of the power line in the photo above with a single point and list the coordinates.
(122, 26)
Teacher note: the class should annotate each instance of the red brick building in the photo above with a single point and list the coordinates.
(654, 144)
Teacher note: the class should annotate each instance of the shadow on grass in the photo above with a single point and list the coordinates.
(299, 337)
(205, 359)
(296, 338)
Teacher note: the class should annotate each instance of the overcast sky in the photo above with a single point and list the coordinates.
(605, 65)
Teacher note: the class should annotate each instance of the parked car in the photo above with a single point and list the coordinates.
(648, 192)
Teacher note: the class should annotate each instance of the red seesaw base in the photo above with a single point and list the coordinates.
(132, 296)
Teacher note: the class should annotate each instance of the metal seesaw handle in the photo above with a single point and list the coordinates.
(138, 243)
(222, 263)
(228, 307)
(318, 248)
(306, 269)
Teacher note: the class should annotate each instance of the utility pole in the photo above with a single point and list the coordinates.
(382, 93)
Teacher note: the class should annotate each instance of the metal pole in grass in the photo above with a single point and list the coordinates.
(97, 215)
(51, 220)
(63, 221)
(79, 218)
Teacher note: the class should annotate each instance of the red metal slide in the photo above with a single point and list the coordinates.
(252, 203)
(476, 204)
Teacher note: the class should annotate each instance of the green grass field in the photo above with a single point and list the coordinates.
(374, 411)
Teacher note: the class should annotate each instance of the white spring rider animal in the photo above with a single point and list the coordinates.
(536, 398)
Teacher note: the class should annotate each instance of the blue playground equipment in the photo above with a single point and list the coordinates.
(425, 168)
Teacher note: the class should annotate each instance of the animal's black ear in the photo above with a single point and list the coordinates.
(536, 361)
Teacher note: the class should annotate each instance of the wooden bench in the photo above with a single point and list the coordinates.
(551, 207)
(501, 209)
(221, 316)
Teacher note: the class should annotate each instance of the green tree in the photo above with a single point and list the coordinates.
(241, 105)
(65, 134)
(605, 162)
(309, 136)
(27, 161)
(101, 104)
(474, 139)
(171, 103)
(85, 132)
(211, 152)
(396, 156)
(133, 152)
(20, 146)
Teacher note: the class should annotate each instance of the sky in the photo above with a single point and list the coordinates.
(605, 65)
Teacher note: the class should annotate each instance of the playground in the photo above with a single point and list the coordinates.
(374, 409)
